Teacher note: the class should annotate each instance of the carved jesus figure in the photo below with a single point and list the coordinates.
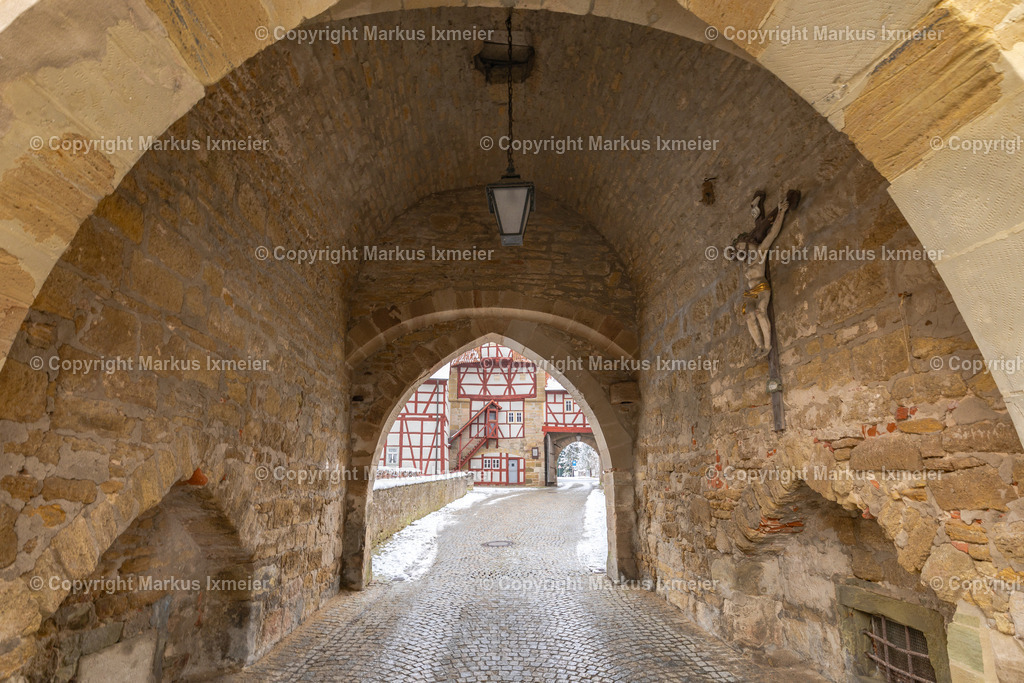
(751, 248)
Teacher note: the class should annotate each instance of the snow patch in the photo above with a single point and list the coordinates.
(592, 548)
(410, 553)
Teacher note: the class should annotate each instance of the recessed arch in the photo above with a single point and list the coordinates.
(376, 411)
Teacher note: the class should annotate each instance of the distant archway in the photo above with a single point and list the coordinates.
(373, 414)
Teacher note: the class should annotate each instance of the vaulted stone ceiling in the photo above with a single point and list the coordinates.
(369, 128)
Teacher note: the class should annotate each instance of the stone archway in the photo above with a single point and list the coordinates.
(376, 410)
(886, 98)
(864, 357)
(175, 596)
(558, 443)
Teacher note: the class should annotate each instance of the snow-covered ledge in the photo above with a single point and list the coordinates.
(390, 477)
(400, 500)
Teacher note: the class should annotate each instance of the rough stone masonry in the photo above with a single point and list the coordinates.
(378, 143)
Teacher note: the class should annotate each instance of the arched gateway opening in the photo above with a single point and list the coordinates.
(220, 312)
(468, 443)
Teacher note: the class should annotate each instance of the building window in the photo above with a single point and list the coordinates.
(901, 652)
(514, 417)
(391, 458)
(569, 407)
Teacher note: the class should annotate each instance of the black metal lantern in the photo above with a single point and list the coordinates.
(511, 199)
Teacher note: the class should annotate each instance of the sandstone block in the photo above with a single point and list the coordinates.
(978, 488)
(945, 562)
(74, 490)
(923, 426)
(114, 332)
(97, 251)
(920, 532)
(47, 567)
(52, 514)
(928, 387)
(881, 358)
(23, 398)
(18, 612)
(123, 214)
(969, 533)
(973, 409)
(86, 415)
(990, 437)
(849, 296)
(1009, 539)
(156, 285)
(75, 548)
(890, 453)
(20, 486)
(8, 539)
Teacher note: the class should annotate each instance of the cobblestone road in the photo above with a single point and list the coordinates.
(525, 612)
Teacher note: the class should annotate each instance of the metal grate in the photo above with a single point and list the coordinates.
(901, 652)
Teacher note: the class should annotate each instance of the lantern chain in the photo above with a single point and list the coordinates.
(511, 138)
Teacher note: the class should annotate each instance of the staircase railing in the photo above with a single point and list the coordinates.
(481, 428)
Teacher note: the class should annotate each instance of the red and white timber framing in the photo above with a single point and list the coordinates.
(562, 414)
(419, 437)
(493, 375)
(495, 372)
(498, 468)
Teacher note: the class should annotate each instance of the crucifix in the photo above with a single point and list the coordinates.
(752, 248)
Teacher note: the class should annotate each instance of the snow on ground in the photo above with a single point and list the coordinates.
(410, 553)
(592, 549)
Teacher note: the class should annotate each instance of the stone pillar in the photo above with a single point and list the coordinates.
(355, 557)
(619, 494)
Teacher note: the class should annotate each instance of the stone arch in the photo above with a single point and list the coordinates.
(882, 81)
(560, 441)
(786, 552)
(409, 360)
(74, 552)
(176, 585)
(603, 332)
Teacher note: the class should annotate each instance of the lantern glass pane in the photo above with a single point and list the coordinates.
(512, 206)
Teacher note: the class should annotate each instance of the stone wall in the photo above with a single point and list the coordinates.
(397, 506)
(120, 383)
(165, 267)
(876, 384)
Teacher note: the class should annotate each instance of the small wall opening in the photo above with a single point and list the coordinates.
(891, 640)
(171, 599)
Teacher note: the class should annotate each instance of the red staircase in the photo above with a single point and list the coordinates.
(477, 431)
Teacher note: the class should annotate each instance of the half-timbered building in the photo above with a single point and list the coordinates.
(419, 438)
(494, 413)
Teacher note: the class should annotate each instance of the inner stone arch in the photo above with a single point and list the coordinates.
(374, 412)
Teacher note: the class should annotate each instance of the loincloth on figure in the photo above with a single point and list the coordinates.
(754, 292)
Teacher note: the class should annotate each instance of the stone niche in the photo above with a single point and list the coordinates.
(780, 568)
(171, 599)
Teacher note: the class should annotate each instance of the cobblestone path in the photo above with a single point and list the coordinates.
(529, 611)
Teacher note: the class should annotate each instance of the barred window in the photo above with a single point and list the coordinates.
(901, 652)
